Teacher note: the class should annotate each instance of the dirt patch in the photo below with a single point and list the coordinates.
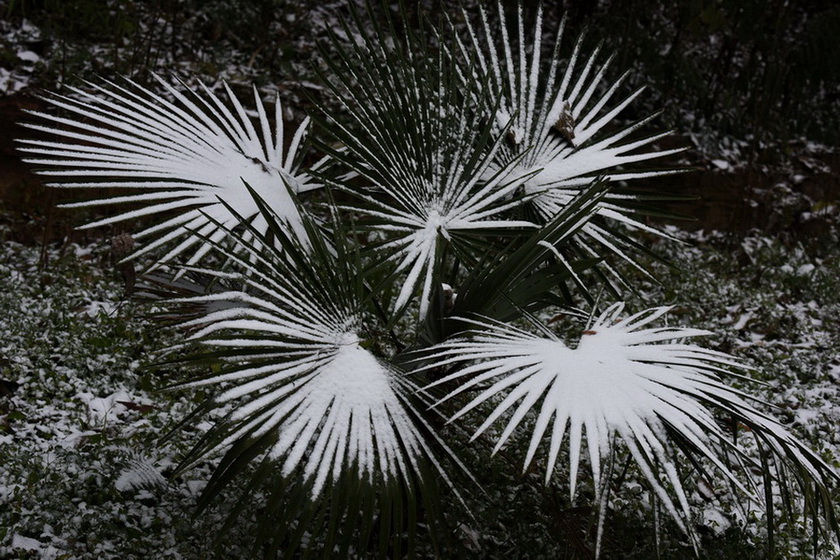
(798, 196)
(21, 191)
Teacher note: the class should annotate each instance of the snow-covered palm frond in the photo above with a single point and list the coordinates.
(186, 159)
(422, 216)
(331, 403)
(561, 123)
(139, 473)
(299, 374)
(306, 406)
(425, 153)
(624, 381)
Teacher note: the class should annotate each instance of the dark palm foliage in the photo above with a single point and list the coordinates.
(294, 336)
(424, 153)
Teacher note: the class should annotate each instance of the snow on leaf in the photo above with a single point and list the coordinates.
(331, 408)
(558, 121)
(139, 473)
(624, 380)
(426, 154)
(297, 371)
(187, 158)
(446, 210)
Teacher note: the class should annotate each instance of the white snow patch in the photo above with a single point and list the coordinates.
(742, 321)
(94, 308)
(195, 487)
(714, 519)
(76, 436)
(100, 408)
(47, 551)
(805, 416)
(28, 56)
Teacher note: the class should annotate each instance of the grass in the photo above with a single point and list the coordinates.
(80, 414)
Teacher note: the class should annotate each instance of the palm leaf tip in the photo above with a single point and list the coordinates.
(184, 155)
(624, 381)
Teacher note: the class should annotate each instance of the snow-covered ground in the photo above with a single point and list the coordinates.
(18, 75)
(83, 473)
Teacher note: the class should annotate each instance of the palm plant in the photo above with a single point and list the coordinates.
(300, 384)
(344, 333)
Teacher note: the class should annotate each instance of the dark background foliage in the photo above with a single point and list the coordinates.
(752, 86)
(768, 70)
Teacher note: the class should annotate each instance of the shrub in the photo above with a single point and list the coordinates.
(440, 274)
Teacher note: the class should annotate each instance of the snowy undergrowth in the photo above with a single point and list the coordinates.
(777, 307)
(82, 473)
(269, 48)
(19, 62)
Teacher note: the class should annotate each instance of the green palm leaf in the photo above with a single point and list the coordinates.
(423, 152)
(525, 277)
(303, 397)
(556, 125)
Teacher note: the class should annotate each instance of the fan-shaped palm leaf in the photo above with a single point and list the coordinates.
(623, 380)
(425, 152)
(302, 393)
(299, 367)
(184, 157)
(558, 124)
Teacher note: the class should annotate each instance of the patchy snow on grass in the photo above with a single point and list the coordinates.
(16, 78)
(80, 422)
(775, 306)
(82, 474)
